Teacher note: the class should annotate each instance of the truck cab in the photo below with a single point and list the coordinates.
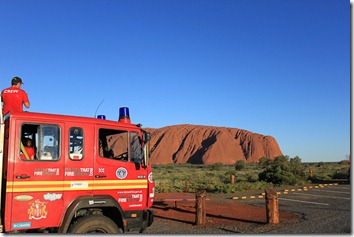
(87, 175)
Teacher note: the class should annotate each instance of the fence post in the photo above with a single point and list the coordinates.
(272, 206)
(232, 179)
(200, 215)
(186, 186)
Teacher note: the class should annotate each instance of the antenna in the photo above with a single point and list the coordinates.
(97, 108)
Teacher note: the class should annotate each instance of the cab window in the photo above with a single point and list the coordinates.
(76, 144)
(113, 144)
(39, 142)
(136, 150)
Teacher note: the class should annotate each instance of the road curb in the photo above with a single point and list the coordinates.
(285, 191)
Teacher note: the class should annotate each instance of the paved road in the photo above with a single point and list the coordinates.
(323, 210)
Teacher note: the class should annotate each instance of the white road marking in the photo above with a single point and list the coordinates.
(345, 188)
(321, 196)
(322, 190)
(293, 200)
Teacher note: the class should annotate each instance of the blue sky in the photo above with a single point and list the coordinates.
(274, 67)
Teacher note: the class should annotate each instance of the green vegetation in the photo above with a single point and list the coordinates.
(328, 170)
(282, 171)
(218, 178)
(240, 164)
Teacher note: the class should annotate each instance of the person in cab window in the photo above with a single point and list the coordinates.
(14, 97)
(29, 152)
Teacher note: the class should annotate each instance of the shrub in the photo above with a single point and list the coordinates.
(264, 162)
(340, 175)
(253, 178)
(320, 164)
(240, 165)
(281, 171)
(297, 168)
(216, 177)
(216, 166)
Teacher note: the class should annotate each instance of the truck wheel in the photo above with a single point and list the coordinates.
(94, 224)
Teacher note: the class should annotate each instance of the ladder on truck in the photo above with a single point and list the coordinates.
(2, 132)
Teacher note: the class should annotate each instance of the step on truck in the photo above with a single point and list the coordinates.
(87, 175)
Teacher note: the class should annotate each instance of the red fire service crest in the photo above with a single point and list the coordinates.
(37, 210)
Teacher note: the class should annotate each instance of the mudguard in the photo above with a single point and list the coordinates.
(83, 202)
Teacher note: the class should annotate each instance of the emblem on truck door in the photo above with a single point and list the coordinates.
(121, 173)
(37, 210)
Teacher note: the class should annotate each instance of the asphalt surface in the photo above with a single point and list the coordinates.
(322, 209)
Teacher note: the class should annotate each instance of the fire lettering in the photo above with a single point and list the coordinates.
(39, 173)
(122, 200)
(79, 172)
(69, 173)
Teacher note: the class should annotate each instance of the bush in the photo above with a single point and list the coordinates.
(340, 175)
(281, 171)
(253, 178)
(321, 164)
(216, 177)
(216, 166)
(264, 162)
(240, 165)
(297, 168)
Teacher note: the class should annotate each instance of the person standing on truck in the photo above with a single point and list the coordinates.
(14, 97)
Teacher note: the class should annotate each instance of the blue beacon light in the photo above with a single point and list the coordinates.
(103, 117)
(124, 115)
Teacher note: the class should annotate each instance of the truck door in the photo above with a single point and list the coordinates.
(37, 187)
(78, 162)
(115, 172)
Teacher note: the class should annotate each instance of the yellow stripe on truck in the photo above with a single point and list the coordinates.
(71, 185)
(61, 183)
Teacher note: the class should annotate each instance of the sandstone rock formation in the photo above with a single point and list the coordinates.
(197, 144)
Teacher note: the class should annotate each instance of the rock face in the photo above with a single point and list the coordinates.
(198, 144)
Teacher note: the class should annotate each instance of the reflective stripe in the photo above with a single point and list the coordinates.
(71, 185)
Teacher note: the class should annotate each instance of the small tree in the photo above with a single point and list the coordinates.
(282, 171)
(216, 166)
(264, 162)
(240, 165)
(297, 168)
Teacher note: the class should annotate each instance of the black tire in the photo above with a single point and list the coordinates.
(94, 224)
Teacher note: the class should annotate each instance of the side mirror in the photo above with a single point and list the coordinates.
(146, 137)
(137, 162)
(146, 154)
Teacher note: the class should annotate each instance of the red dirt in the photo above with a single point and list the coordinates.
(219, 212)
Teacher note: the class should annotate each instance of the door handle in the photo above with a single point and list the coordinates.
(23, 176)
(100, 176)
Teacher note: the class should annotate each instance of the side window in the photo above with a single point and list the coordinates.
(40, 142)
(76, 144)
(113, 144)
(49, 142)
(29, 141)
(136, 150)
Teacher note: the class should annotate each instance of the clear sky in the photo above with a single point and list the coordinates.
(274, 67)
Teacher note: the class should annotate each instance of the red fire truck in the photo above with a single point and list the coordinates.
(87, 175)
